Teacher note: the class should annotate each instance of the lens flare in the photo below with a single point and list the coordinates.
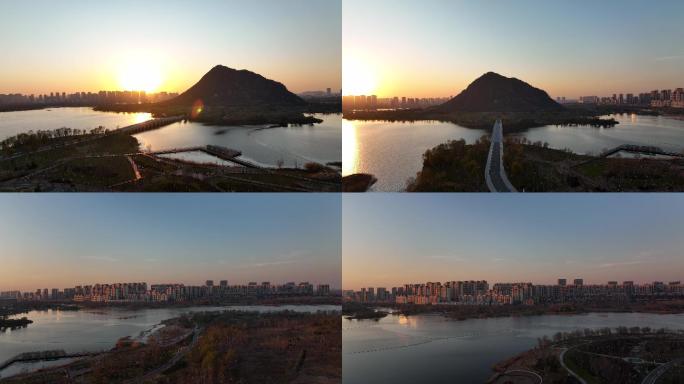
(197, 108)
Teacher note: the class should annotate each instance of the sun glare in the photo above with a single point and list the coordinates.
(358, 78)
(140, 76)
(350, 148)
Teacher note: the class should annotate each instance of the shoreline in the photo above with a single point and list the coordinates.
(77, 306)
(531, 312)
(514, 121)
(180, 338)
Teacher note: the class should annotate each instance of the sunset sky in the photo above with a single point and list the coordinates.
(79, 45)
(60, 241)
(392, 239)
(568, 48)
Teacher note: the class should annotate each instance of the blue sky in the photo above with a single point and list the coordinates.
(65, 240)
(392, 239)
(81, 45)
(569, 48)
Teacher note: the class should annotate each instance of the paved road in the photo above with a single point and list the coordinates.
(570, 371)
(495, 174)
(655, 374)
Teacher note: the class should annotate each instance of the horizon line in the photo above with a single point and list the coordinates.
(161, 283)
(569, 280)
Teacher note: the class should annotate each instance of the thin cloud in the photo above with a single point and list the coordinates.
(295, 254)
(271, 263)
(101, 258)
(621, 264)
(450, 258)
(669, 58)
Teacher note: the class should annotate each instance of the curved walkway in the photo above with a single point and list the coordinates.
(655, 374)
(570, 371)
(519, 375)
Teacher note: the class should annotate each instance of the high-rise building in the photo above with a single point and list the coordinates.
(323, 290)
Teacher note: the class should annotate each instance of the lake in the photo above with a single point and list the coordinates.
(97, 330)
(432, 349)
(392, 151)
(13, 123)
(291, 146)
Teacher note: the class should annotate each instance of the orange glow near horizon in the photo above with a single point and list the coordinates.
(358, 77)
(140, 75)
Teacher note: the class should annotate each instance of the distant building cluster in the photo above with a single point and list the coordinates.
(480, 293)
(320, 94)
(373, 102)
(665, 98)
(140, 292)
(86, 98)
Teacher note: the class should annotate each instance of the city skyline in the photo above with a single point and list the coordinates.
(482, 292)
(216, 281)
(570, 280)
(58, 240)
(395, 239)
(568, 49)
(162, 292)
(175, 44)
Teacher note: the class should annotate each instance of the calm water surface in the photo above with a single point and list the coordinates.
(96, 330)
(12, 123)
(294, 145)
(664, 132)
(432, 349)
(392, 151)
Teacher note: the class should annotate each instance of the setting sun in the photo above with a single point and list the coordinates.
(140, 76)
(358, 78)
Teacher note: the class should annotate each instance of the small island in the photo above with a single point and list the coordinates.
(14, 323)
(358, 182)
(357, 311)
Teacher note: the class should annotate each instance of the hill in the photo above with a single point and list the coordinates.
(227, 87)
(495, 93)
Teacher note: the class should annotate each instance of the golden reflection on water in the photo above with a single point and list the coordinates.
(350, 148)
(409, 322)
(141, 117)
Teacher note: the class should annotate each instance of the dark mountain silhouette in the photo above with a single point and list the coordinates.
(495, 93)
(227, 87)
